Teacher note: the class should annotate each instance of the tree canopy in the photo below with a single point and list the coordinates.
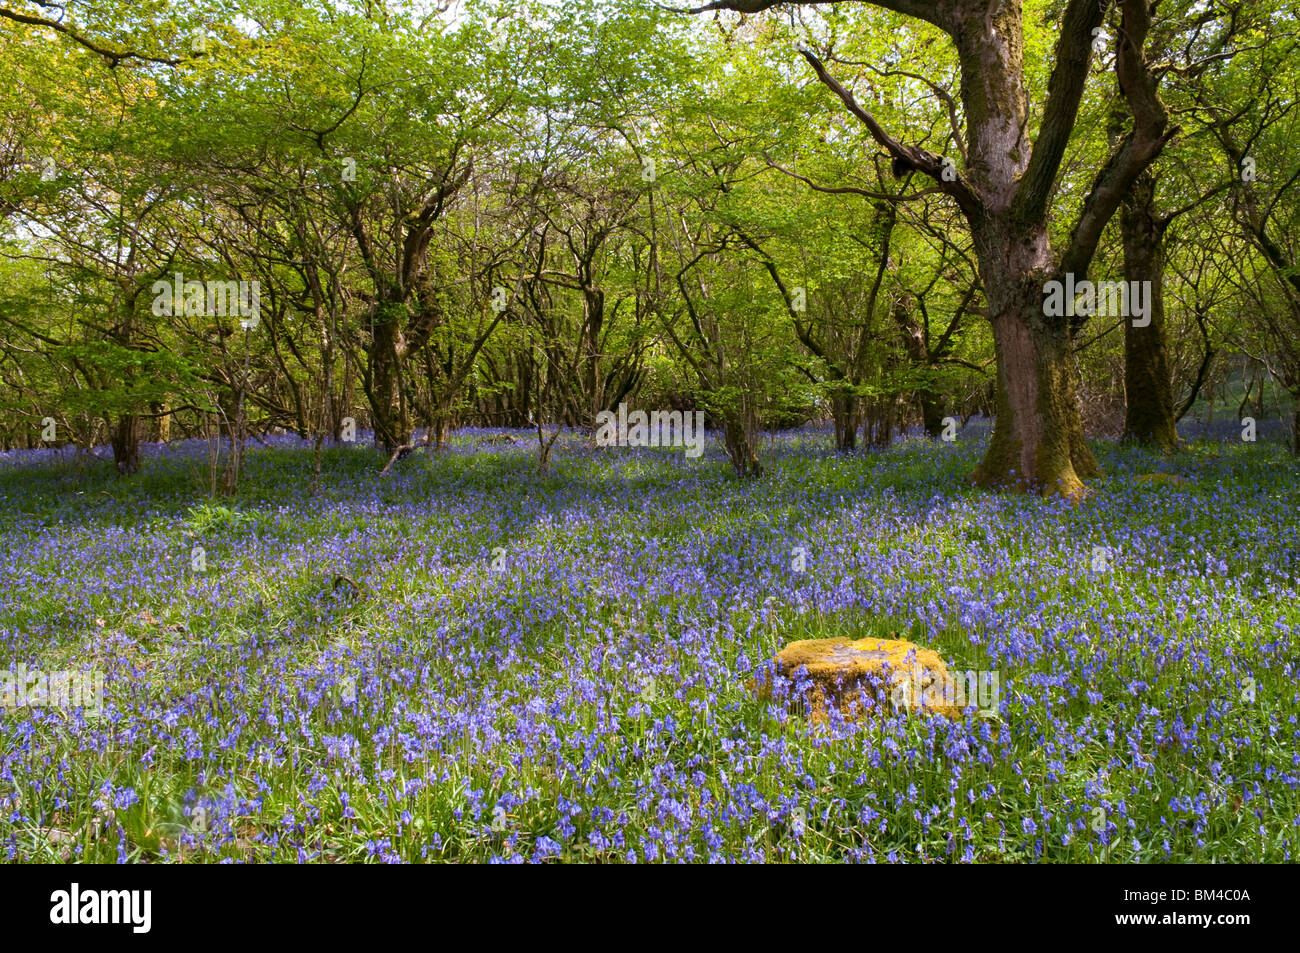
(223, 218)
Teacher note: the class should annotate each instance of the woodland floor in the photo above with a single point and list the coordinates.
(528, 667)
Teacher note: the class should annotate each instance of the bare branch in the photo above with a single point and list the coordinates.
(921, 159)
(1064, 92)
(1151, 130)
(940, 92)
(853, 189)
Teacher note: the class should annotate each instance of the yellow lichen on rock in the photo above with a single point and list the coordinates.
(855, 675)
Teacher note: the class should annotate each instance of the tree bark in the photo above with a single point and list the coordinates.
(845, 413)
(392, 420)
(1038, 442)
(1148, 384)
(739, 441)
(126, 444)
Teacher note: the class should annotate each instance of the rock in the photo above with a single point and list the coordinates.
(852, 675)
(61, 841)
(56, 836)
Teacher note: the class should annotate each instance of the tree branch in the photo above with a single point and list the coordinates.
(853, 189)
(1064, 92)
(112, 56)
(1151, 130)
(914, 156)
(938, 12)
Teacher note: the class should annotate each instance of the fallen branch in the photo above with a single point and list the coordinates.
(398, 454)
(340, 580)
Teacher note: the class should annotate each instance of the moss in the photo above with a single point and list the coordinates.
(1061, 456)
(856, 675)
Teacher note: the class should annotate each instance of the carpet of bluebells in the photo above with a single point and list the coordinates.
(466, 659)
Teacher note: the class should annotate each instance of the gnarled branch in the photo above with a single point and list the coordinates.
(921, 159)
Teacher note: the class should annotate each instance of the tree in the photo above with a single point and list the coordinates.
(1250, 105)
(1004, 192)
(1189, 41)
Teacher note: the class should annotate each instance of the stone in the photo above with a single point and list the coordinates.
(852, 675)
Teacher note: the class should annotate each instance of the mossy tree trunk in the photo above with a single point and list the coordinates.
(383, 378)
(739, 439)
(1148, 385)
(1037, 441)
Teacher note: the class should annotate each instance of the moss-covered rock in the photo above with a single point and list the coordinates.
(858, 676)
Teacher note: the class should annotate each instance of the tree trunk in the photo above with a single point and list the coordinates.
(1149, 414)
(917, 348)
(931, 412)
(1038, 441)
(594, 302)
(441, 428)
(740, 447)
(236, 422)
(878, 423)
(163, 425)
(126, 444)
(391, 419)
(844, 411)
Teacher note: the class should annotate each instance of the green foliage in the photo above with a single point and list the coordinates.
(207, 517)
